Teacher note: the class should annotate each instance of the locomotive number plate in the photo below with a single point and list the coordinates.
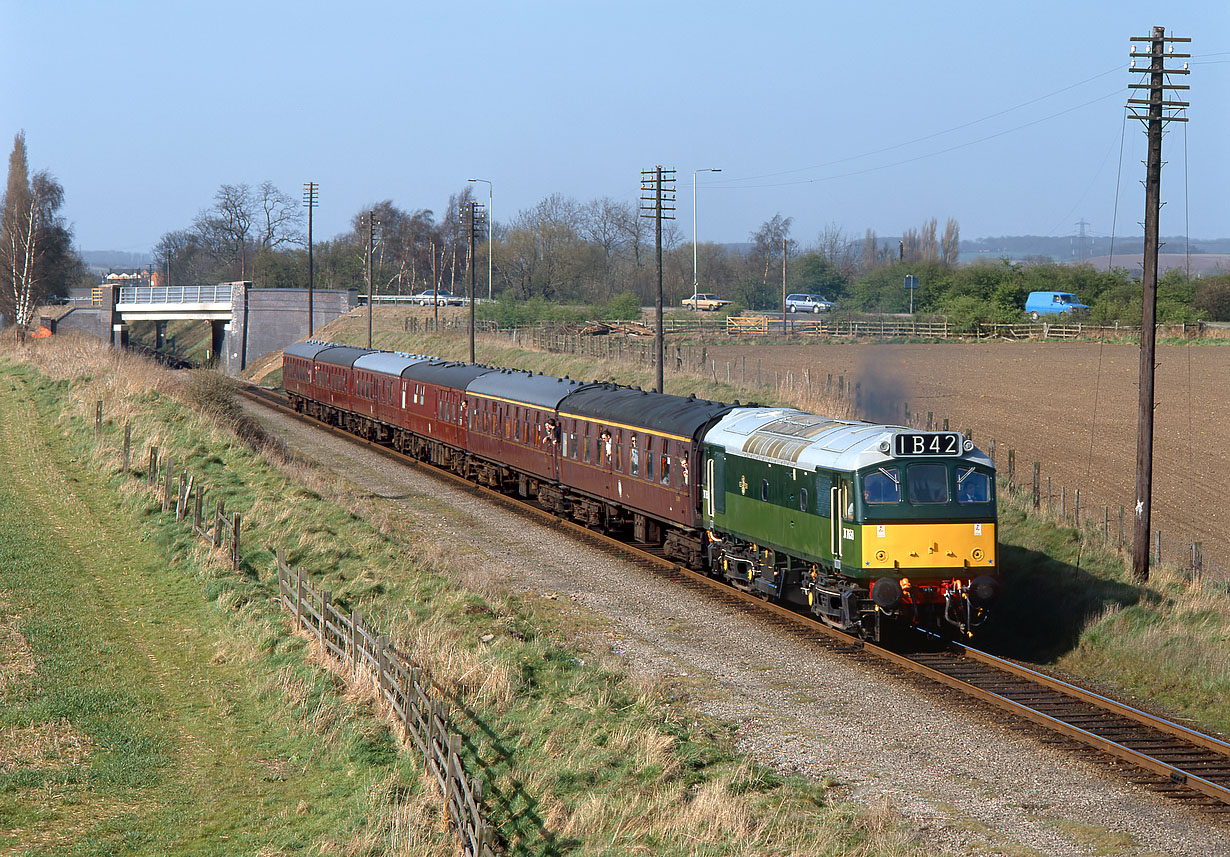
(939, 443)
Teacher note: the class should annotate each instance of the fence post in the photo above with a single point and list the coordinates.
(1105, 524)
(97, 421)
(127, 443)
(946, 425)
(1063, 503)
(152, 476)
(382, 662)
(353, 642)
(1120, 525)
(298, 599)
(197, 505)
(219, 518)
(325, 598)
(166, 488)
(1076, 508)
(1011, 464)
(235, 542)
(1037, 484)
(1159, 546)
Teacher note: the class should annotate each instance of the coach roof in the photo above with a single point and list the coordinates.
(445, 373)
(388, 362)
(637, 409)
(540, 391)
(341, 355)
(306, 350)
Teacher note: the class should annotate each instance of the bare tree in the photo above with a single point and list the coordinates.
(950, 247)
(281, 218)
(226, 228)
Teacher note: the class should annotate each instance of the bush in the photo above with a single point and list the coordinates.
(624, 307)
(1212, 299)
(508, 312)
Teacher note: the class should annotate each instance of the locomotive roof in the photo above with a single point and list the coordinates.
(798, 439)
(388, 362)
(541, 391)
(341, 355)
(658, 412)
(446, 373)
(307, 349)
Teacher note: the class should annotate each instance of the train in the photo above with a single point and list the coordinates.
(869, 527)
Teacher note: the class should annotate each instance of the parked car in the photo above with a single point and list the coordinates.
(703, 300)
(1039, 304)
(808, 303)
(440, 297)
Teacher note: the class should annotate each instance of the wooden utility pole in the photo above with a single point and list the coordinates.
(371, 246)
(475, 215)
(311, 199)
(1154, 111)
(661, 183)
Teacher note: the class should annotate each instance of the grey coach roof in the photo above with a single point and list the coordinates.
(445, 373)
(388, 362)
(308, 349)
(341, 355)
(540, 391)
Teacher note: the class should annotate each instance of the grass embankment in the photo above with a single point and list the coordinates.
(1068, 601)
(184, 718)
(150, 703)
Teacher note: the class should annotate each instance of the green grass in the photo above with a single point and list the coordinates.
(194, 714)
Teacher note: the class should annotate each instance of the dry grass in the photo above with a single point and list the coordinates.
(16, 659)
(44, 745)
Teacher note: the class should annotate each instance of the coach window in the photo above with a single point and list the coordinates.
(649, 458)
(666, 470)
(973, 486)
(587, 458)
(634, 457)
(928, 483)
(619, 450)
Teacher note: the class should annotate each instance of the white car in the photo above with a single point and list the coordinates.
(808, 303)
(439, 297)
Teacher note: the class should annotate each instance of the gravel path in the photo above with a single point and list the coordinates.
(967, 783)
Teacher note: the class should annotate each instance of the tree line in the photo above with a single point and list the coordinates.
(563, 250)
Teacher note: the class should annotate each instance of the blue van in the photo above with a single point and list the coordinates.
(1039, 304)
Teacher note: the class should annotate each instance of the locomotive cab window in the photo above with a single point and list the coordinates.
(928, 483)
(764, 490)
(973, 486)
(882, 486)
(802, 499)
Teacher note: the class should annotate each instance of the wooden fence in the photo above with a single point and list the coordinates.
(404, 688)
(402, 685)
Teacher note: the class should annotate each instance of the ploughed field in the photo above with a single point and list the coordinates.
(1070, 406)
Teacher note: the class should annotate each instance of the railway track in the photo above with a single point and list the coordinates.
(1158, 754)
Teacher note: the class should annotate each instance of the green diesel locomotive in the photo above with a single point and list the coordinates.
(863, 524)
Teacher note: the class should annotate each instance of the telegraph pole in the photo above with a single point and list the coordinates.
(311, 199)
(1154, 111)
(371, 244)
(474, 213)
(659, 206)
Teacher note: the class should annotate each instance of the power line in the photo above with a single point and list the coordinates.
(924, 138)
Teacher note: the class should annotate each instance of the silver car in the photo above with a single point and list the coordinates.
(808, 303)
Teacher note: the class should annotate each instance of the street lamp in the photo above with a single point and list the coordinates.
(490, 231)
(695, 281)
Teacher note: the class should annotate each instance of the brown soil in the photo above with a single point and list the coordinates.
(1070, 406)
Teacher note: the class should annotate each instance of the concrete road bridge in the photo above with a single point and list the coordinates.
(245, 322)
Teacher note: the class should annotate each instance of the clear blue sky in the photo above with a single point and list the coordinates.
(1008, 117)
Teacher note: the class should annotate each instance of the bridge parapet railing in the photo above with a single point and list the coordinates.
(215, 294)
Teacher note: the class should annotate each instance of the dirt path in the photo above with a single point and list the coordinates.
(1070, 406)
